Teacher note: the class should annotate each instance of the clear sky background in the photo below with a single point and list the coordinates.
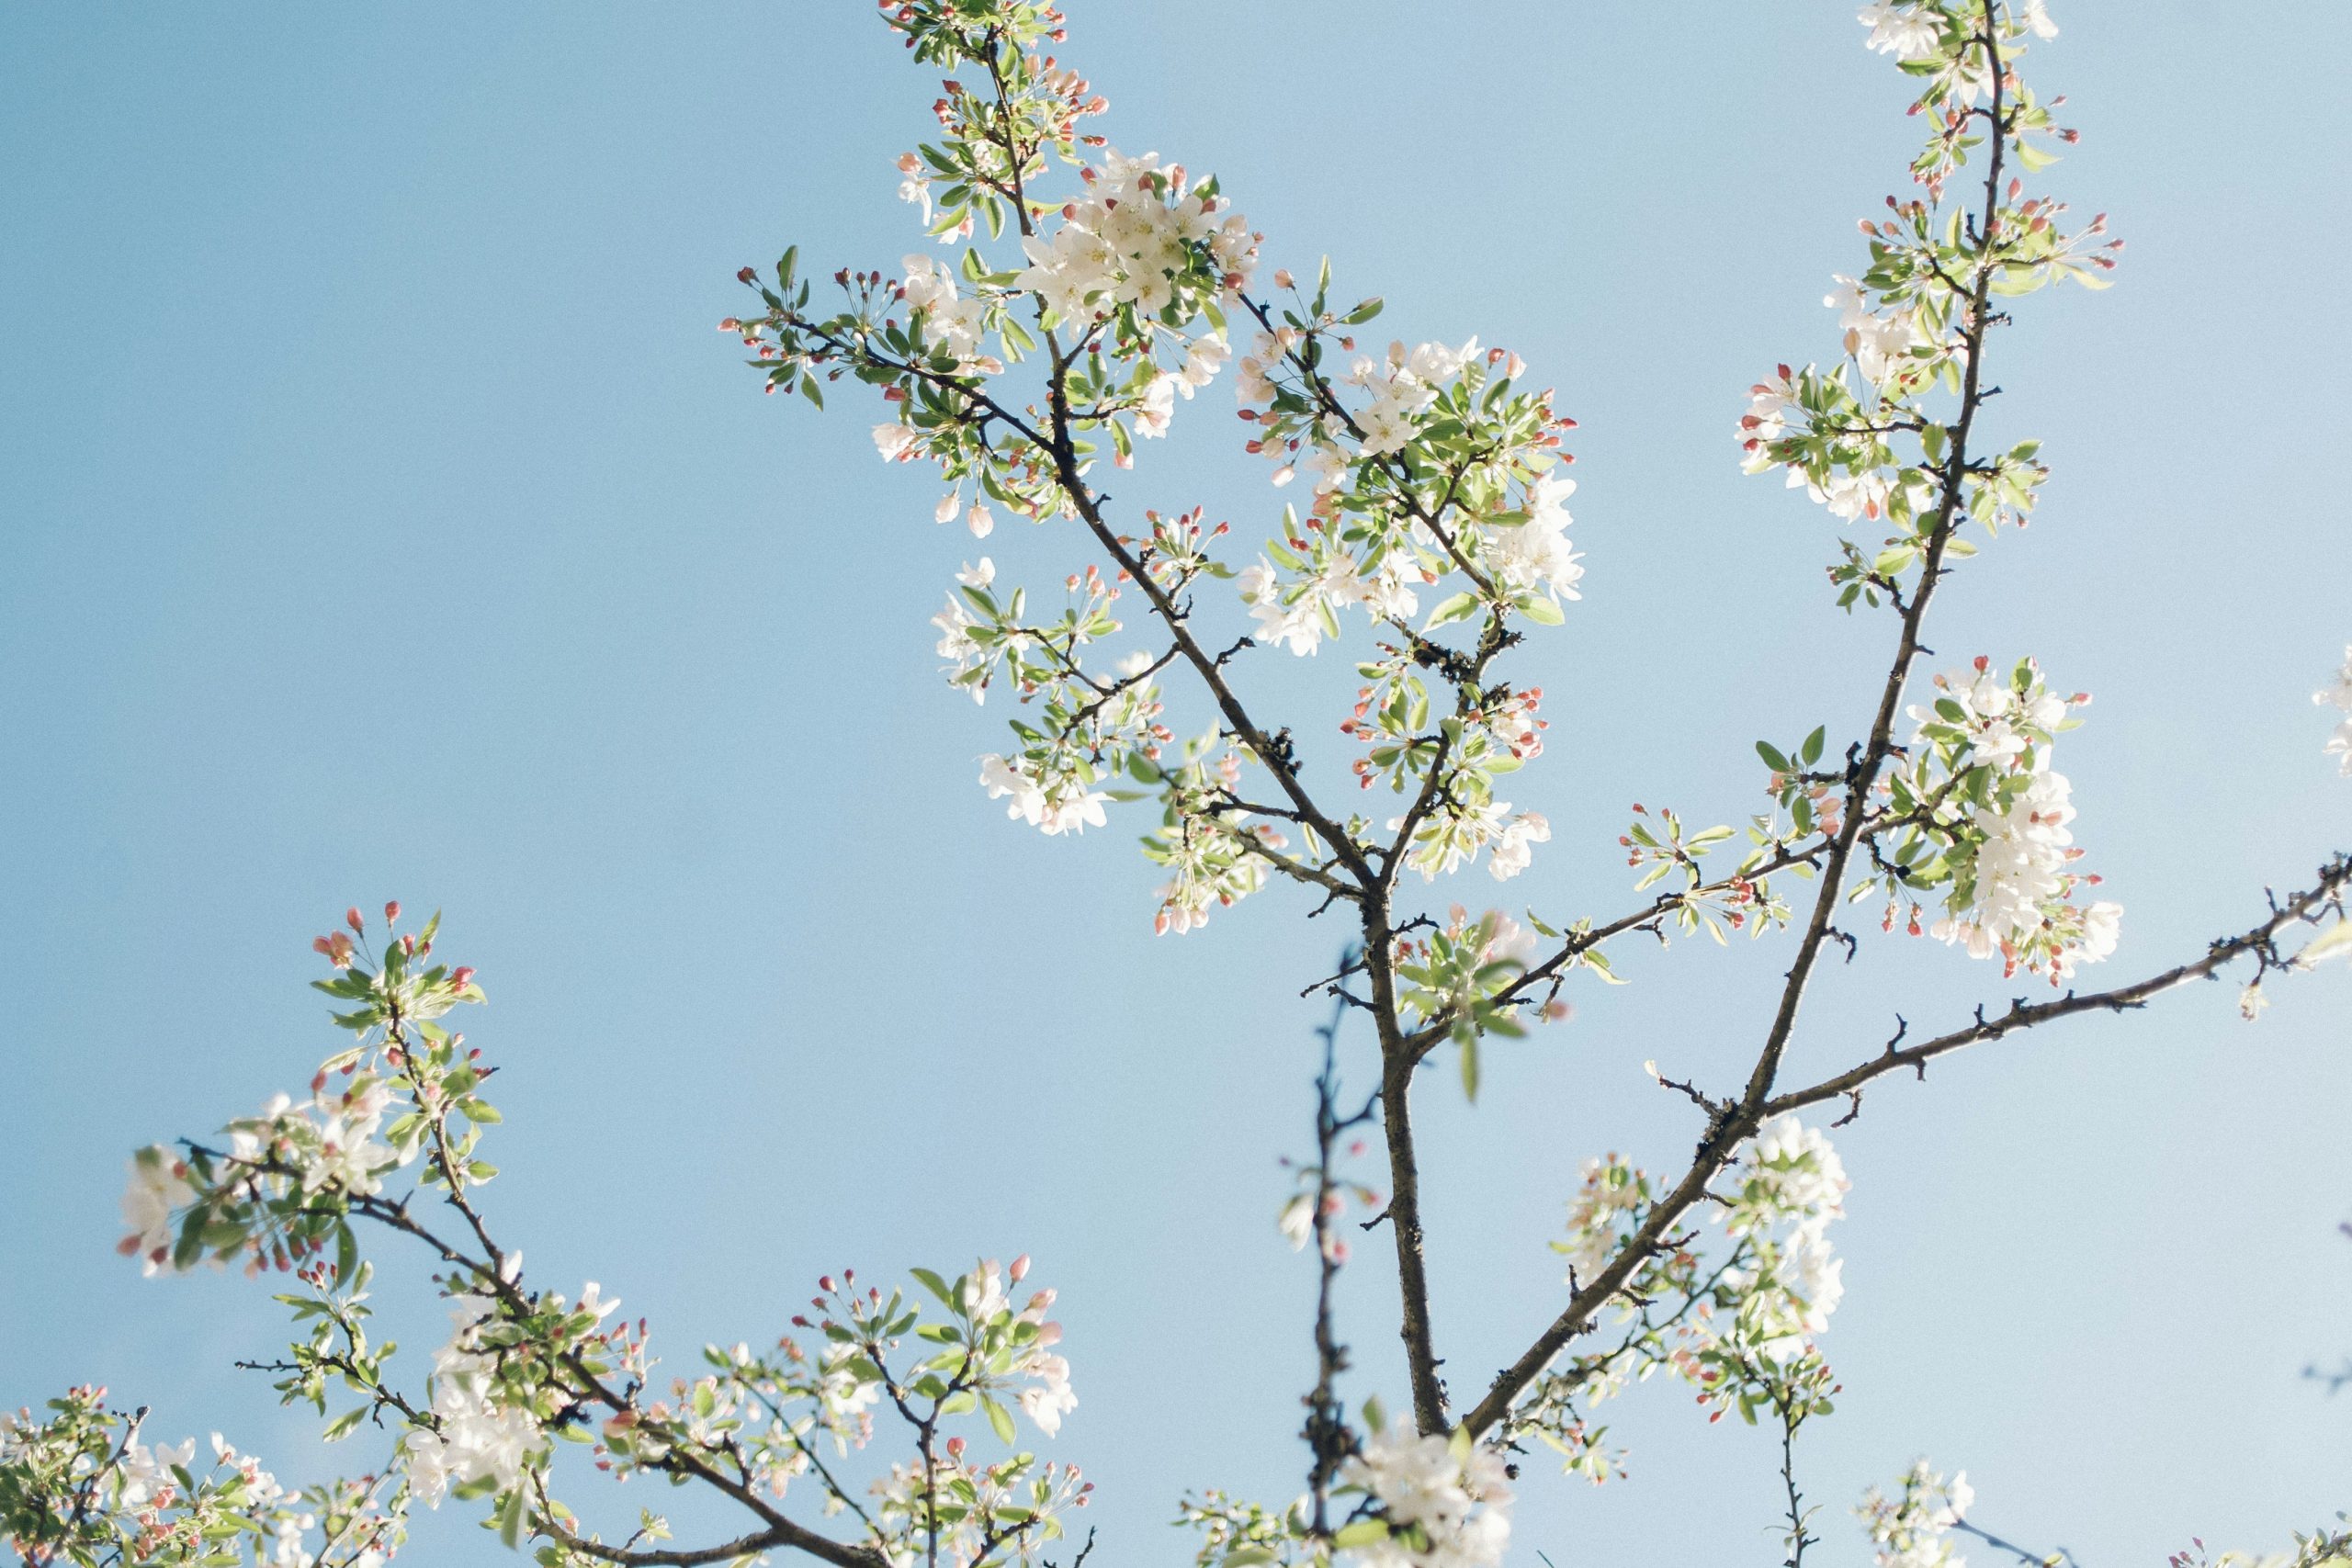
(380, 517)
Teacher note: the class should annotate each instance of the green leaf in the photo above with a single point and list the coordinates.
(1772, 758)
(1810, 751)
(1460, 607)
(999, 1418)
(936, 1286)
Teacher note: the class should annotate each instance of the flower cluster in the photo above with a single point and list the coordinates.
(1299, 612)
(1042, 103)
(1611, 1198)
(79, 1484)
(1461, 972)
(771, 1416)
(1987, 819)
(1052, 794)
(1214, 856)
(1787, 1189)
(2337, 694)
(964, 1512)
(1450, 767)
(477, 1442)
(1913, 1530)
(1237, 1533)
(1737, 1327)
(1432, 468)
(1138, 238)
(1860, 438)
(2329, 1546)
(523, 1367)
(1444, 1502)
(277, 1189)
(1426, 462)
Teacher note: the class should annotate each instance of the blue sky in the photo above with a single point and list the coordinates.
(381, 517)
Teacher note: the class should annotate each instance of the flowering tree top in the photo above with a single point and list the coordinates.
(1064, 302)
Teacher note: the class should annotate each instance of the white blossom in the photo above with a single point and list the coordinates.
(147, 1471)
(1876, 342)
(1610, 1190)
(1129, 241)
(1157, 408)
(1451, 834)
(2337, 694)
(950, 319)
(914, 185)
(1511, 854)
(1297, 625)
(1052, 803)
(348, 1158)
(1788, 1171)
(1790, 1187)
(1907, 29)
(1447, 1503)
(1534, 555)
(2020, 866)
(1995, 715)
(958, 644)
(1047, 1400)
(1910, 1532)
(1202, 361)
(477, 1437)
(158, 1186)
